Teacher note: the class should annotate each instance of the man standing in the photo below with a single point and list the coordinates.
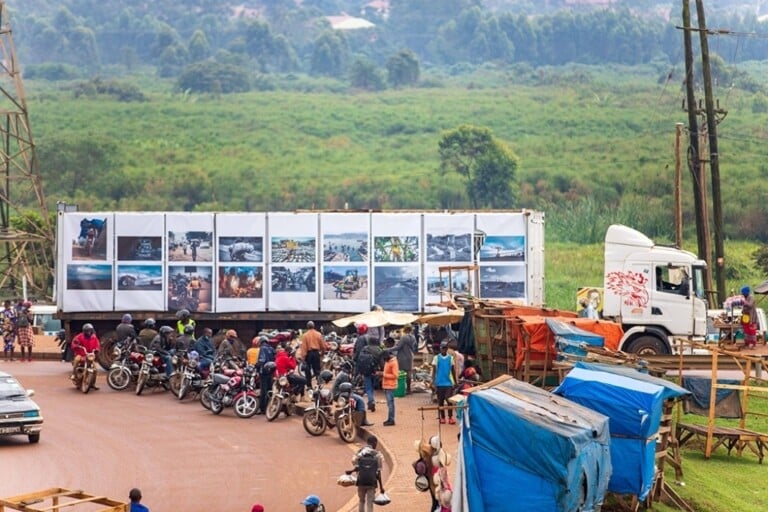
(312, 348)
(25, 336)
(404, 348)
(368, 462)
(266, 355)
(135, 497)
(444, 378)
(367, 364)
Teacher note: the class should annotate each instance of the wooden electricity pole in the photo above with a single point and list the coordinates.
(678, 192)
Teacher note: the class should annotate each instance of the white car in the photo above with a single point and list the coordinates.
(19, 415)
(131, 280)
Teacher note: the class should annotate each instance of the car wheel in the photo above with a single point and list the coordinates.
(34, 438)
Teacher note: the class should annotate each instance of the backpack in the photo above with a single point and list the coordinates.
(23, 321)
(367, 468)
(266, 355)
(366, 362)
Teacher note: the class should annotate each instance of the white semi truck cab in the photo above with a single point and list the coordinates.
(655, 292)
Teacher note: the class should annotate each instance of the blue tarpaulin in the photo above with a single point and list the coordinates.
(523, 448)
(569, 338)
(671, 390)
(634, 406)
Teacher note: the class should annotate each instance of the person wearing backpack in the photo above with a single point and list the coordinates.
(367, 364)
(266, 355)
(368, 462)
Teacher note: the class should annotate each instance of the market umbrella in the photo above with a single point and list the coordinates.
(377, 318)
(452, 316)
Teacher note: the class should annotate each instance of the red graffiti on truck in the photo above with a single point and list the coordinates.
(630, 286)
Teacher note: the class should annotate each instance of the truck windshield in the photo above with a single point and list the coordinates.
(698, 283)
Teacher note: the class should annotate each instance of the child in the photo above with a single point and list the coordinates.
(389, 384)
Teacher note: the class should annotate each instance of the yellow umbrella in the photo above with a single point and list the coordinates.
(452, 316)
(377, 318)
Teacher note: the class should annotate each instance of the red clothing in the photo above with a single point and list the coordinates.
(81, 345)
(285, 363)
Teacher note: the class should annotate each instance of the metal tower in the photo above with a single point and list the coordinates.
(26, 229)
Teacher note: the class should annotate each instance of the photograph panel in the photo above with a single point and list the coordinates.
(343, 247)
(140, 277)
(396, 249)
(190, 246)
(297, 249)
(89, 277)
(345, 282)
(139, 248)
(503, 248)
(92, 239)
(397, 288)
(190, 287)
(247, 249)
(241, 282)
(452, 247)
(502, 282)
(293, 279)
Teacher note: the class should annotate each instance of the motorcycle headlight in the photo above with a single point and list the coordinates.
(342, 401)
(116, 351)
(283, 381)
(175, 360)
(193, 363)
(325, 393)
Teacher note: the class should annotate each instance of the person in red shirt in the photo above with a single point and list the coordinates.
(85, 342)
(286, 365)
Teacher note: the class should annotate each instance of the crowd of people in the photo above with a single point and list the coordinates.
(17, 330)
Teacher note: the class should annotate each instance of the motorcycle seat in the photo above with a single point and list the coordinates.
(220, 378)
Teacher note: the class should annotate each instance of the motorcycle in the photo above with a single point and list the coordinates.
(329, 412)
(151, 372)
(124, 371)
(234, 388)
(84, 376)
(282, 397)
(187, 377)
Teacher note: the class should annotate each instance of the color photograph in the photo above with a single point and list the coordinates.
(396, 248)
(140, 277)
(345, 282)
(190, 246)
(449, 247)
(460, 283)
(241, 282)
(189, 287)
(293, 279)
(91, 241)
(139, 248)
(503, 248)
(502, 282)
(241, 248)
(345, 247)
(397, 288)
(89, 277)
(294, 249)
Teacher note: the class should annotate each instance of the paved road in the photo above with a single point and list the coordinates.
(181, 456)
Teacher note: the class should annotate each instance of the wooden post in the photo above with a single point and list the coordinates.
(678, 182)
(745, 396)
(712, 403)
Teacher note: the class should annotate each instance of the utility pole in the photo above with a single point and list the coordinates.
(678, 192)
(712, 121)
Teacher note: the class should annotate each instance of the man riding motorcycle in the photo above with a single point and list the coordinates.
(85, 342)
(184, 319)
(286, 365)
(125, 328)
(163, 346)
(186, 340)
(148, 333)
(341, 378)
(205, 349)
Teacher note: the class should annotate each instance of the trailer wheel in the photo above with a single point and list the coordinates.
(105, 355)
(648, 346)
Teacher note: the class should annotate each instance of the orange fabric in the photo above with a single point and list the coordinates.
(391, 372)
(542, 341)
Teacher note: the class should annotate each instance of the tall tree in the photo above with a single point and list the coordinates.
(487, 164)
(403, 68)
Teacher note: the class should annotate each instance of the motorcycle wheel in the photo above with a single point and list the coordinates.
(175, 384)
(216, 406)
(118, 378)
(141, 383)
(314, 423)
(86, 382)
(273, 407)
(183, 389)
(346, 428)
(205, 398)
(246, 406)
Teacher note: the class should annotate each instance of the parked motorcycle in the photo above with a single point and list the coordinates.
(84, 376)
(124, 371)
(327, 412)
(151, 372)
(282, 397)
(187, 377)
(236, 389)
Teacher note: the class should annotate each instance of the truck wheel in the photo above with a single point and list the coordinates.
(648, 346)
(106, 354)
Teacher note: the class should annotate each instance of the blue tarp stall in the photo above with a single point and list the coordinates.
(570, 339)
(523, 448)
(671, 390)
(634, 406)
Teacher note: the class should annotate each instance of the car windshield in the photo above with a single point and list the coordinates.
(9, 388)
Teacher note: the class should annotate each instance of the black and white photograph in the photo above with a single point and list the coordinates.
(247, 249)
(396, 288)
(139, 248)
(344, 282)
(140, 277)
(503, 248)
(502, 282)
(454, 247)
(89, 277)
(396, 249)
(297, 249)
(92, 240)
(294, 279)
(345, 247)
(241, 282)
(190, 287)
(190, 246)
(459, 283)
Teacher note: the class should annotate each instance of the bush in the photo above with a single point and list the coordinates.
(51, 71)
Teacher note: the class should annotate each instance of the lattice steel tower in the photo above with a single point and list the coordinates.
(26, 230)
